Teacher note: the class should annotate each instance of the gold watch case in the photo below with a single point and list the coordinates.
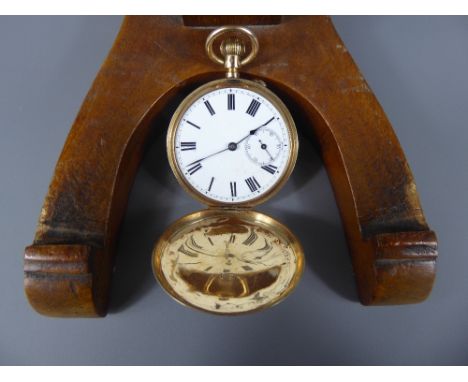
(241, 84)
(229, 259)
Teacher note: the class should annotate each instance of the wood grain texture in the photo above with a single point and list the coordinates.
(212, 21)
(155, 60)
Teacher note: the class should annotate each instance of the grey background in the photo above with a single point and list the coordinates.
(417, 67)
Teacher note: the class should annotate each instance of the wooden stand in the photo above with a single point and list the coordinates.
(153, 62)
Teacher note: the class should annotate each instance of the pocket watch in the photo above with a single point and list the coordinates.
(232, 144)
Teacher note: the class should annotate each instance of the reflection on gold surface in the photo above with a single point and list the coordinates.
(228, 261)
(229, 284)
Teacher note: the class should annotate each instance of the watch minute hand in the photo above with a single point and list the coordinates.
(208, 156)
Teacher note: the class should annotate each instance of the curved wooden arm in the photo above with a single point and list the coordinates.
(68, 267)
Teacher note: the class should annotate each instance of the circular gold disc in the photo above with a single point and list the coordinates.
(228, 261)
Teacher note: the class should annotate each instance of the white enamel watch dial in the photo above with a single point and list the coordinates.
(232, 142)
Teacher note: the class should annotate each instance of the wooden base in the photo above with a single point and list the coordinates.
(154, 61)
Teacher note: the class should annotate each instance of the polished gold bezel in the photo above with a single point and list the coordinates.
(251, 216)
(221, 84)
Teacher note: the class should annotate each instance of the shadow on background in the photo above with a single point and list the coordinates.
(326, 253)
(324, 242)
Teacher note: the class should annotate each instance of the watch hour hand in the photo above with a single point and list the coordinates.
(252, 132)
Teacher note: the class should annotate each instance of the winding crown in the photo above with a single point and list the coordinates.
(232, 47)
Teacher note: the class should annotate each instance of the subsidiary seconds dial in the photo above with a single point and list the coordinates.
(232, 143)
(264, 147)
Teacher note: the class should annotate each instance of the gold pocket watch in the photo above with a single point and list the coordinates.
(231, 144)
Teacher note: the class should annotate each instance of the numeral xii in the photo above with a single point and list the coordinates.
(231, 102)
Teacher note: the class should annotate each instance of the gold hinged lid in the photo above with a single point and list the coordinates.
(228, 261)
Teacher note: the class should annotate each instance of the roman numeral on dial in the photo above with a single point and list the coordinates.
(192, 170)
(253, 107)
(231, 102)
(233, 189)
(185, 146)
(270, 168)
(194, 125)
(209, 107)
(211, 184)
(252, 183)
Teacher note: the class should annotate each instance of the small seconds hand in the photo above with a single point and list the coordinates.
(233, 145)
